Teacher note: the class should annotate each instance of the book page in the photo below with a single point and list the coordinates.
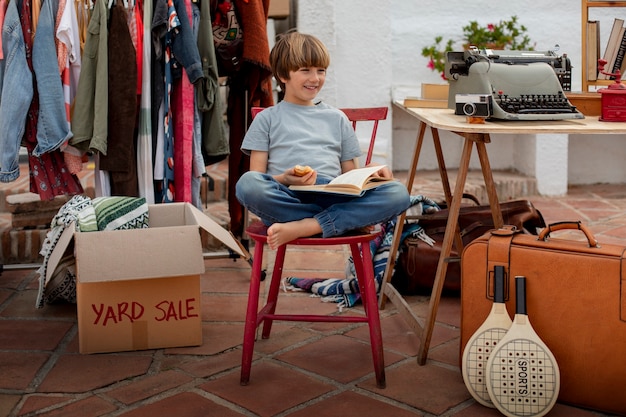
(357, 176)
(350, 183)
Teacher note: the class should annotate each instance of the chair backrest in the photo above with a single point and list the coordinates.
(255, 110)
(356, 114)
(365, 114)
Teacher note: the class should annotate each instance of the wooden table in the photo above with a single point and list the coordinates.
(472, 134)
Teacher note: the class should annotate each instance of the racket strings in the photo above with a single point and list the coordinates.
(477, 358)
(524, 382)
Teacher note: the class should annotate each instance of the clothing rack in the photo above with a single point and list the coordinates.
(252, 14)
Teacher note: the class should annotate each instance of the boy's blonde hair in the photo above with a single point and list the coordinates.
(294, 50)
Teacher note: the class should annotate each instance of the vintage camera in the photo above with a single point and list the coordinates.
(477, 105)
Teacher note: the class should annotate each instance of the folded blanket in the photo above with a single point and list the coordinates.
(121, 213)
(103, 213)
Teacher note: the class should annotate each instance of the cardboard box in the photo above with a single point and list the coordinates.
(279, 9)
(140, 289)
(435, 91)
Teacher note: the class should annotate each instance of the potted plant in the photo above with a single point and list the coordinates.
(506, 34)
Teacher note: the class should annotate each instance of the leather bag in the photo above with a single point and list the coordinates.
(417, 261)
(576, 302)
(227, 37)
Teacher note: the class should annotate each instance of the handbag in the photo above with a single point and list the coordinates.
(418, 257)
(227, 37)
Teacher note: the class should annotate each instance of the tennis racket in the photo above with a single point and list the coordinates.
(523, 377)
(483, 341)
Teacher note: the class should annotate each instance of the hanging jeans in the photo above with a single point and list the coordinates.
(17, 93)
(52, 127)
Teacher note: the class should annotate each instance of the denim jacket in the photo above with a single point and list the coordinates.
(52, 126)
(184, 46)
(17, 94)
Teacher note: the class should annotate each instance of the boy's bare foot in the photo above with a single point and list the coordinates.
(281, 233)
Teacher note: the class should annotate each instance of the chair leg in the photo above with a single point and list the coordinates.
(249, 333)
(274, 289)
(365, 276)
(359, 271)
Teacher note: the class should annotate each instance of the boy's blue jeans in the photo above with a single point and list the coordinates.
(276, 203)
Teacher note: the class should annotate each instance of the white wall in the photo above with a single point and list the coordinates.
(376, 57)
(358, 36)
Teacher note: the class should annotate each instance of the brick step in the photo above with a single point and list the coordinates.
(25, 219)
(22, 246)
(28, 210)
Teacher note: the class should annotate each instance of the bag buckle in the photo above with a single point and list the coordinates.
(506, 230)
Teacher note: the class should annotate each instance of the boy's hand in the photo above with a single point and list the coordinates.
(301, 175)
(384, 172)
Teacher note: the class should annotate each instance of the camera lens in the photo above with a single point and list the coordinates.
(469, 109)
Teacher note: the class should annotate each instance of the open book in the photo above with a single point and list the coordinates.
(354, 182)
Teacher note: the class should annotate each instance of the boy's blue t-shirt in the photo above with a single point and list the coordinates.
(320, 136)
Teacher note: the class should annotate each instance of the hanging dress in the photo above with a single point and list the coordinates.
(183, 103)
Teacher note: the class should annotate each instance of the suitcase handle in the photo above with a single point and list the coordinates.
(593, 243)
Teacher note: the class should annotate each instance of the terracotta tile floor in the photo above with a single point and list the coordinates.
(301, 370)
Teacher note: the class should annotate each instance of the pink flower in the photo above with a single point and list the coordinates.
(431, 64)
(491, 27)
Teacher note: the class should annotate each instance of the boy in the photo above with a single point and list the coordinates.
(297, 131)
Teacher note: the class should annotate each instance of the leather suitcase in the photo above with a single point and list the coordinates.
(576, 302)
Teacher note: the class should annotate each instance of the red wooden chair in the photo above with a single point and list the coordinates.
(361, 254)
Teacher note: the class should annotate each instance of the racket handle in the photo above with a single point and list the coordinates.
(498, 284)
(520, 295)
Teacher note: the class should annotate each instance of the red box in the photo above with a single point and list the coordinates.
(613, 103)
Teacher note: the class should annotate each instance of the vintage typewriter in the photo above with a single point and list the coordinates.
(520, 85)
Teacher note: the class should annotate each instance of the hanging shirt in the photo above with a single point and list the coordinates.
(91, 117)
(144, 139)
(69, 61)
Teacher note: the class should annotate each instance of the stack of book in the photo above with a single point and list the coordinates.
(613, 53)
(433, 95)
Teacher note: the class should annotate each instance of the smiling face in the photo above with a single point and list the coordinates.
(303, 85)
(299, 63)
